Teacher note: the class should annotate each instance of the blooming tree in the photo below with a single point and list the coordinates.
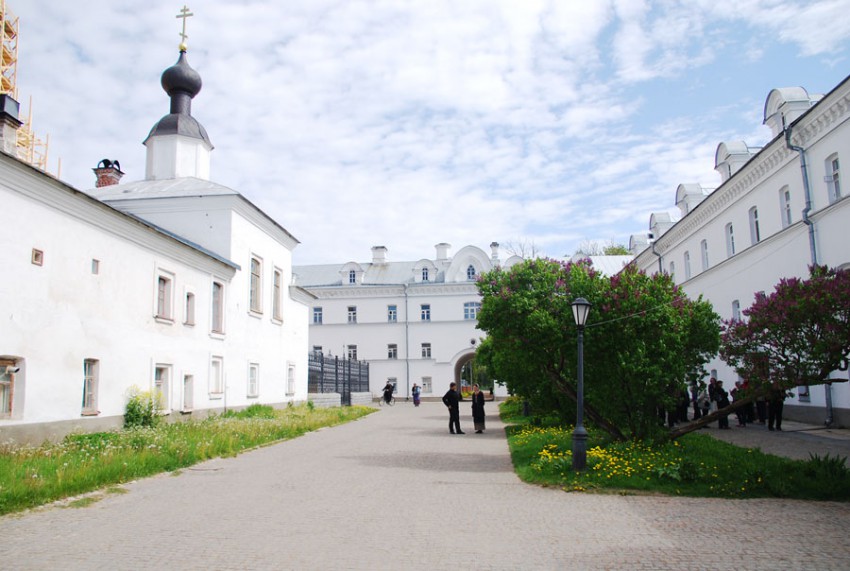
(797, 335)
(644, 340)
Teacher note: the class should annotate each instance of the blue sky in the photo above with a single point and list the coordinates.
(408, 123)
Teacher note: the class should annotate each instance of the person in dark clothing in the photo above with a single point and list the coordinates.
(478, 409)
(737, 394)
(388, 392)
(694, 396)
(722, 402)
(452, 401)
(775, 404)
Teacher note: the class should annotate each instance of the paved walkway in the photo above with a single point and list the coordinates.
(396, 491)
(795, 440)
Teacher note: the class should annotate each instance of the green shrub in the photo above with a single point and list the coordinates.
(142, 409)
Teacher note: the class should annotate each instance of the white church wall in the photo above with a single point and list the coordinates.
(65, 310)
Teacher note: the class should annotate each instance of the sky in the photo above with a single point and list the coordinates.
(541, 125)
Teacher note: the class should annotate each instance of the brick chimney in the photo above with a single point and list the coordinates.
(379, 254)
(9, 124)
(494, 252)
(108, 173)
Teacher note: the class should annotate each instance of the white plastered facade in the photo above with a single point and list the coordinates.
(747, 234)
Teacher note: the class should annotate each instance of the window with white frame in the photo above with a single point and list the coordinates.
(730, 240)
(7, 387)
(277, 295)
(832, 178)
(161, 376)
(785, 206)
(736, 310)
(217, 321)
(425, 274)
(470, 272)
(703, 250)
(290, 379)
(95, 266)
(392, 313)
(394, 382)
(317, 316)
(687, 265)
(188, 392)
(164, 286)
(351, 351)
(755, 233)
(189, 309)
(256, 291)
(352, 276)
(471, 309)
(392, 351)
(426, 385)
(90, 378)
(253, 380)
(425, 312)
(216, 376)
(426, 350)
(352, 314)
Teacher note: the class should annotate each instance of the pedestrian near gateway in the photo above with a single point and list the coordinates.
(478, 409)
(452, 401)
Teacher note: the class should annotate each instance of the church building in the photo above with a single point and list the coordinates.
(173, 284)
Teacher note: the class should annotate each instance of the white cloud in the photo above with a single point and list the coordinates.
(410, 123)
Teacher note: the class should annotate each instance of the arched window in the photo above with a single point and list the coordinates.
(832, 178)
(785, 200)
(730, 240)
(470, 272)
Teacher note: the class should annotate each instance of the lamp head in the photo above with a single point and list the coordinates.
(581, 309)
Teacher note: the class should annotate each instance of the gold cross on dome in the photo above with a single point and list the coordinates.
(184, 13)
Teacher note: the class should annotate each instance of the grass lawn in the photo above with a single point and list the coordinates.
(32, 476)
(694, 465)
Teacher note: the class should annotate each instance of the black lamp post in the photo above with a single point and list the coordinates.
(581, 308)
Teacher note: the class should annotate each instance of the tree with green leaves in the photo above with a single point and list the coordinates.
(797, 335)
(643, 341)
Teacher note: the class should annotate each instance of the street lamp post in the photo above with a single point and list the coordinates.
(581, 308)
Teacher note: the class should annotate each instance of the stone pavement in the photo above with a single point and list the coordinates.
(396, 491)
(795, 440)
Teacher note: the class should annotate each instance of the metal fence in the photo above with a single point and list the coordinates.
(334, 375)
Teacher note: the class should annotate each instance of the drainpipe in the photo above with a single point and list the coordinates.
(660, 267)
(806, 191)
(812, 243)
(406, 340)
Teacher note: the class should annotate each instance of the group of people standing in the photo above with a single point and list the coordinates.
(452, 400)
(765, 409)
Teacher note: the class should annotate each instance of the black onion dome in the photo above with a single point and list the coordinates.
(180, 77)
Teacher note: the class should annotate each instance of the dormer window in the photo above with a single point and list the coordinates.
(470, 273)
(352, 277)
(425, 275)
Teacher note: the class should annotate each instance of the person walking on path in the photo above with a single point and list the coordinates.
(417, 390)
(452, 401)
(478, 409)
